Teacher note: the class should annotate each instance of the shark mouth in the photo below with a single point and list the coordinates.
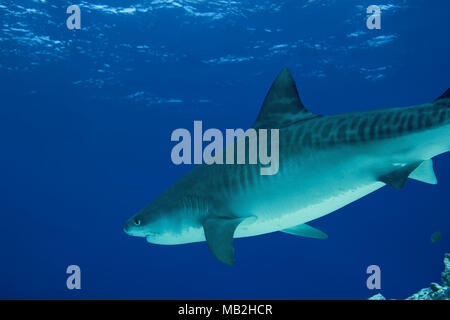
(151, 235)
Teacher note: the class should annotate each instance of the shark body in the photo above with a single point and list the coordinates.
(325, 163)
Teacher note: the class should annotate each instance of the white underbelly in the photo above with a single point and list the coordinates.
(277, 221)
(283, 220)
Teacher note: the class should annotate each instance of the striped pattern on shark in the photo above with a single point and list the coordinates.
(359, 127)
(326, 162)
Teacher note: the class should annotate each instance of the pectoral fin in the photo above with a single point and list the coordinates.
(219, 232)
(425, 173)
(304, 230)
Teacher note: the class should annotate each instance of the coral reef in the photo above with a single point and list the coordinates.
(435, 291)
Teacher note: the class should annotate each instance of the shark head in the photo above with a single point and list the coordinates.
(142, 225)
(166, 219)
(151, 221)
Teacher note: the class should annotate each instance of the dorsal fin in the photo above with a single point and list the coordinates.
(282, 105)
(445, 95)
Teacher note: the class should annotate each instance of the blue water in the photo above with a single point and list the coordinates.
(85, 123)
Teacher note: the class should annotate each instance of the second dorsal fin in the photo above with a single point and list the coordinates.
(282, 105)
(445, 95)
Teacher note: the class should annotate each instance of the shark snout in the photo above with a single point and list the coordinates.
(133, 227)
(127, 228)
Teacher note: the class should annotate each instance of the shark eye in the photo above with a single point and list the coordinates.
(137, 222)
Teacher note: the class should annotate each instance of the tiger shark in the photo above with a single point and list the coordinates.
(325, 163)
